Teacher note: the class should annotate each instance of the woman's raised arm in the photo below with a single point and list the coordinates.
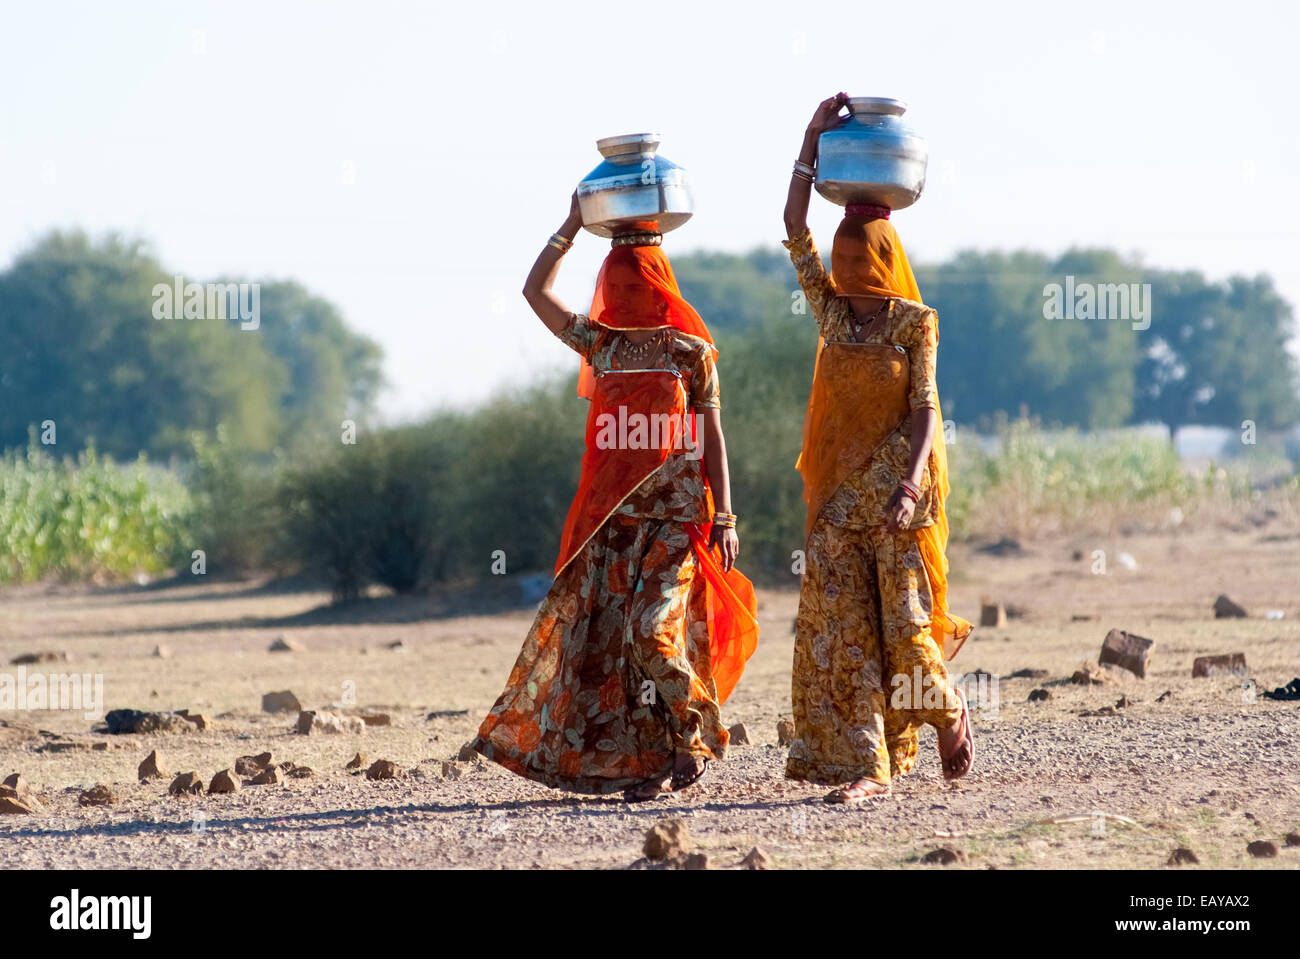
(796, 203)
(537, 288)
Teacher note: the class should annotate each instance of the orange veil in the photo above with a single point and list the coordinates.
(610, 475)
(868, 257)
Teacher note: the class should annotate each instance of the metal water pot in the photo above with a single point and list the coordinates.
(872, 156)
(634, 189)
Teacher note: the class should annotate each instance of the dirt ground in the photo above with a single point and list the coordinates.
(1209, 767)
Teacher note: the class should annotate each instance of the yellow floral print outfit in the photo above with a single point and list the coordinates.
(868, 673)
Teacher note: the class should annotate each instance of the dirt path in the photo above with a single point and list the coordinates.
(1207, 768)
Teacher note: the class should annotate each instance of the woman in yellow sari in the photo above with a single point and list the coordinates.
(648, 624)
(873, 628)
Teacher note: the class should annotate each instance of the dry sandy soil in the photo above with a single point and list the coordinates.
(1206, 768)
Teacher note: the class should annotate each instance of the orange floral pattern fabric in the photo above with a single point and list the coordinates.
(615, 672)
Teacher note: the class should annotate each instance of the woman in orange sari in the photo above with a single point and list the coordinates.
(648, 624)
(873, 628)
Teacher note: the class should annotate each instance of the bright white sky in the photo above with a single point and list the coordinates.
(224, 134)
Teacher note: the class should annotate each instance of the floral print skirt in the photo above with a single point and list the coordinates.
(867, 673)
(614, 674)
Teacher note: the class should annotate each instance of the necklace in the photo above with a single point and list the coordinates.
(858, 324)
(637, 354)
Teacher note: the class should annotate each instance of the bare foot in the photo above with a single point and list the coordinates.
(956, 745)
(858, 791)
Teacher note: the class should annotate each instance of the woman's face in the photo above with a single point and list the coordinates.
(629, 297)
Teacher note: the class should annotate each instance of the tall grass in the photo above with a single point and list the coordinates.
(91, 519)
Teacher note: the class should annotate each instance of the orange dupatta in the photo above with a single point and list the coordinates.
(611, 471)
(868, 258)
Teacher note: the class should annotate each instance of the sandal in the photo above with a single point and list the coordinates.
(636, 794)
(682, 780)
(856, 792)
(967, 738)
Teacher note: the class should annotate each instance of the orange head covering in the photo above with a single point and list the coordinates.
(636, 290)
(868, 259)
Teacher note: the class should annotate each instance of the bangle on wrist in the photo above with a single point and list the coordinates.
(561, 243)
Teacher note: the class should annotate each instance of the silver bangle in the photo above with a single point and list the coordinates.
(802, 167)
(801, 175)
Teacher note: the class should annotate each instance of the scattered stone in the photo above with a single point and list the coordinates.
(757, 859)
(252, 765)
(1127, 651)
(667, 839)
(1262, 849)
(186, 784)
(281, 702)
(383, 769)
(98, 795)
(377, 719)
(1167, 694)
(446, 714)
(161, 652)
(1039, 695)
(11, 806)
(1103, 711)
(1224, 608)
(1182, 856)
(22, 790)
(1225, 664)
(992, 614)
(1084, 618)
(739, 735)
(1089, 674)
(126, 721)
(453, 769)
(1293, 839)
(301, 772)
(44, 656)
(943, 856)
(1289, 693)
(468, 753)
(198, 720)
(397, 646)
(311, 722)
(357, 762)
(223, 782)
(695, 861)
(152, 767)
(1027, 674)
(1003, 547)
(785, 732)
(270, 776)
(282, 645)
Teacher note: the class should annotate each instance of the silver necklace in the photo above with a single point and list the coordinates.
(858, 324)
(639, 353)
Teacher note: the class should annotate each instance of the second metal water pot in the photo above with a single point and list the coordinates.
(633, 188)
(872, 156)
